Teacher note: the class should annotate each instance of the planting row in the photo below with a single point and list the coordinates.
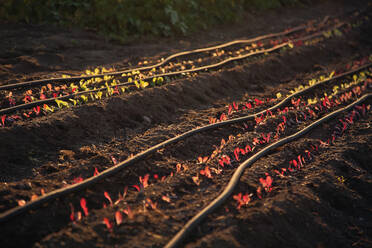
(40, 101)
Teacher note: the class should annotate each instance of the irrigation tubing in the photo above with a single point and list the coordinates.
(177, 239)
(7, 215)
(207, 67)
(169, 58)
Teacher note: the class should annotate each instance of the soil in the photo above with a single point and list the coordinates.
(325, 204)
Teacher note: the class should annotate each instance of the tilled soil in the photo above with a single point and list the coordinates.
(325, 204)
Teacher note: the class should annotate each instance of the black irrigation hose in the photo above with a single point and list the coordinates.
(7, 215)
(177, 239)
(71, 79)
(66, 97)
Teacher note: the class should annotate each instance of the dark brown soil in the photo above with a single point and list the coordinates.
(326, 204)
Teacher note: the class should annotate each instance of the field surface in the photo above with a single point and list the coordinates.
(252, 135)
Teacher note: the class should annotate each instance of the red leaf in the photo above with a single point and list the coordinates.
(108, 197)
(72, 214)
(83, 204)
(3, 117)
(223, 117)
(258, 102)
(230, 110)
(196, 180)
(166, 198)
(236, 106)
(137, 188)
(236, 153)
(152, 204)
(259, 192)
(108, 224)
(220, 161)
(118, 218)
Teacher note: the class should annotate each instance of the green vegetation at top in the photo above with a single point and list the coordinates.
(123, 18)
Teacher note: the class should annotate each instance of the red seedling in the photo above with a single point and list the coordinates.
(3, 117)
(156, 177)
(72, 214)
(206, 172)
(226, 159)
(151, 203)
(248, 105)
(259, 119)
(202, 160)
(96, 172)
(212, 120)
(166, 198)
(83, 204)
(34, 197)
(236, 153)
(118, 218)
(108, 197)
(196, 180)
(108, 224)
(220, 161)
(223, 117)
(258, 102)
(77, 180)
(21, 202)
(266, 138)
(242, 199)
(37, 110)
(144, 181)
(114, 160)
(267, 183)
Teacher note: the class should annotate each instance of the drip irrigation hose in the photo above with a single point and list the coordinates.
(71, 79)
(66, 97)
(177, 239)
(7, 215)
